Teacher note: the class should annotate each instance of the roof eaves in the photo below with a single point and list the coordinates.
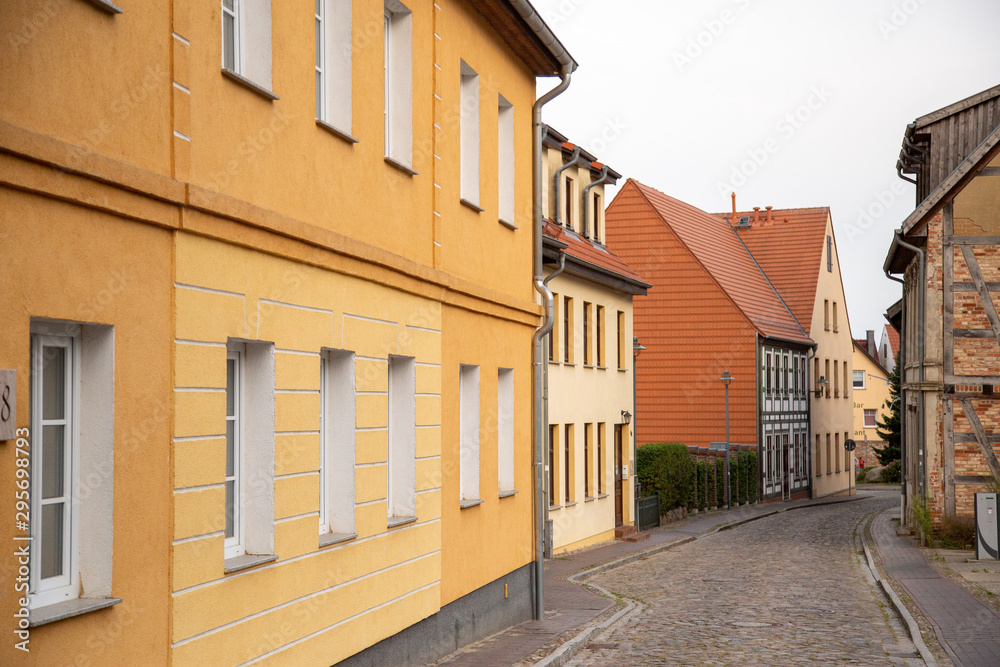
(556, 139)
(955, 181)
(524, 30)
(870, 357)
(952, 109)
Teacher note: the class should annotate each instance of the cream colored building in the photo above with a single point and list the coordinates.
(797, 249)
(870, 382)
(590, 386)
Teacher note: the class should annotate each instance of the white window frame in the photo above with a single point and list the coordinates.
(854, 379)
(469, 134)
(333, 64)
(235, 14)
(251, 41)
(505, 429)
(469, 422)
(506, 169)
(235, 545)
(398, 82)
(338, 423)
(402, 458)
(864, 419)
(65, 586)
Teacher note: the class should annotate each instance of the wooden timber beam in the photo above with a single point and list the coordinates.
(984, 293)
(977, 427)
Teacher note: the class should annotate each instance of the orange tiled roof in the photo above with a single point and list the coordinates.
(790, 250)
(862, 343)
(893, 338)
(718, 249)
(590, 253)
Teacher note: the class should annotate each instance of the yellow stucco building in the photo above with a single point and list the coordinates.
(269, 303)
(871, 396)
(590, 482)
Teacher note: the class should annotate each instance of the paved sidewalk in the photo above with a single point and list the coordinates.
(968, 630)
(570, 607)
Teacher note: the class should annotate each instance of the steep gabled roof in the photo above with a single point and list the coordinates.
(893, 338)
(789, 249)
(716, 246)
(862, 347)
(594, 261)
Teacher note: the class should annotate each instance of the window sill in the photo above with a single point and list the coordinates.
(589, 366)
(400, 166)
(553, 508)
(466, 504)
(395, 521)
(623, 370)
(68, 609)
(601, 496)
(340, 134)
(468, 204)
(572, 504)
(830, 472)
(329, 539)
(568, 363)
(588, 499)
(250, 85)
(555, 363)
(509, 225)
(601, 368)
(508, 494)
(108, 7)
(240, 563)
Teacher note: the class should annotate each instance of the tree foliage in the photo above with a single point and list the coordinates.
(888, 427)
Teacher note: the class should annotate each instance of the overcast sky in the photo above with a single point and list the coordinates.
(789, 103)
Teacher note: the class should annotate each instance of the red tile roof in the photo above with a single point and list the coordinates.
(591, 253)
(719, 250)
(790, 250)
(893, 338)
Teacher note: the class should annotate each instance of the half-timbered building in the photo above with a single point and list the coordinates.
(948, 254)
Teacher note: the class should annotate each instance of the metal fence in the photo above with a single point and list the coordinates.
(649, 512)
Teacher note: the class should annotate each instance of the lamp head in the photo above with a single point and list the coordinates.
(726, 378)
(626, 417)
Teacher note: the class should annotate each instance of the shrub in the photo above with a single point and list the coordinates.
(743, 469)
(667, 468)
(891, 473)
(922, 517)
(860, 477)
(752, 472)
(703, 475)
(958, 532)
(720, 482)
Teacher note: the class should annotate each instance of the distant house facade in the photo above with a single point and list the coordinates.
(948, 254)
(589, 352)
(711, 309)
(870, 384)
(797, 251)
(888, 347)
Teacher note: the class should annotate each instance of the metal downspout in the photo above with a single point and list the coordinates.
(901, 359)
(547, 344)
(540, 364)
(575, 159)
(586, 209)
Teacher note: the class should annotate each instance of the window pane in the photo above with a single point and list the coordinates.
(230, 447)
(53, 453)
(230, 387)
(228, 4)
(52, 540)
(319, 95)
(319, 43)
(228, 41)
(53, 379)
(230, 507)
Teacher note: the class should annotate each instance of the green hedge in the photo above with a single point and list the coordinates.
(667, 468)
(891, 474)
(720, 482)
(754, 475)
(703, 485)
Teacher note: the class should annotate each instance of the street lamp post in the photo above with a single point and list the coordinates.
(637, 349)
(726, 379)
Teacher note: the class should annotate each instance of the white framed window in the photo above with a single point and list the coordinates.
(234, 453)
(72, 462)
(246, 40)
(402, 437)
(505, 172)
(333, 63)
(249, 501)
(338, 422)
(870, 418)
(469, 134)
(469, 432)
(398, 82)
(597, 233)
(505, 428)
(859, 379)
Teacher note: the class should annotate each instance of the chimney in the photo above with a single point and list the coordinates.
(768, 213)
(734, 207)
(872, 350)
(756, 210)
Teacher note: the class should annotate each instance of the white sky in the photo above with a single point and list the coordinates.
(680, 95)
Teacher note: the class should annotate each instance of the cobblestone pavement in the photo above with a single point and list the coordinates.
(784, 590)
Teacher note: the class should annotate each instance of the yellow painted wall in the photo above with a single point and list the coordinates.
(873, 397)
(64, 261)
(831, 415)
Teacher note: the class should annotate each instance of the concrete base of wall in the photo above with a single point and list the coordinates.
(472, 617)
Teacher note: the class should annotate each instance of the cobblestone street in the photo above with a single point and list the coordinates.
(785, 590)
